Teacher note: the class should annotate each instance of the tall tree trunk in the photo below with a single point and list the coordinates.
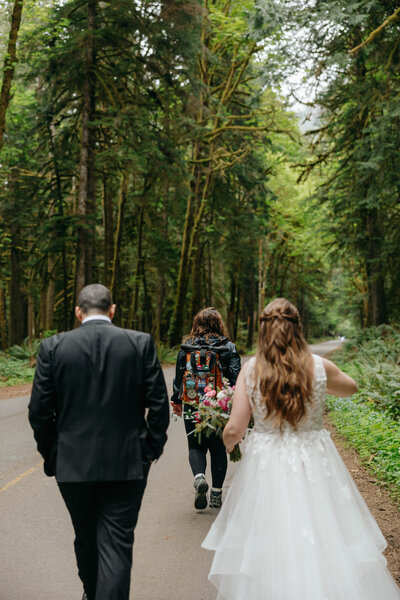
(147, 302)
(30, 318)
(9, 65)
(262, 270)
(62, 233)
(196, 282)
(108, 231)
(251, 302)
(118, 234)
(209, 275)
(86, 202)
(161, 292)
(17, 309)
(196, 206)
(161, 280)
(231, 309)
(50, 298)
(17, 312)
(132, 320)
(376, 287)
(3, 328)
(237, 313)
(17, 306)
(43, 310)
(176, 328)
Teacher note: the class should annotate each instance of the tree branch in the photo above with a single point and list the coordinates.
(377, 31)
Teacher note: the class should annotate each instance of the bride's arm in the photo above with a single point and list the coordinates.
(240, 415)
(338, 383)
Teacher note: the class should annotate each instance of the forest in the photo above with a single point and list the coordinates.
(199, 152)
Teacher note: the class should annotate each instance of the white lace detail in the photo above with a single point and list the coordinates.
(313, 419)
(295, 450)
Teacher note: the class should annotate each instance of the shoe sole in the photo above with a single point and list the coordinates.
(200, 502)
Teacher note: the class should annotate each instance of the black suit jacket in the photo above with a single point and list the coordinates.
(99, 407)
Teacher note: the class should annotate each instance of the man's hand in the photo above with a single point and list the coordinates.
(176, 409)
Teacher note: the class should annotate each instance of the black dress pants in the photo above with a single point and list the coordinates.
(104, 516)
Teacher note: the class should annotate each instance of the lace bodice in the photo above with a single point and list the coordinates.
(313, 419)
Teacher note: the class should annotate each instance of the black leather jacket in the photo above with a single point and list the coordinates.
(230, 362)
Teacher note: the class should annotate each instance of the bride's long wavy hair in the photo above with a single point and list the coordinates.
(284, 364)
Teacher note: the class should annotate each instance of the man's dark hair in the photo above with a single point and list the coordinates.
(94, 297)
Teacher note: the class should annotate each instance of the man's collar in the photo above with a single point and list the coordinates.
(96, 318)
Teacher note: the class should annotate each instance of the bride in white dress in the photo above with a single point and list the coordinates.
(294, 525)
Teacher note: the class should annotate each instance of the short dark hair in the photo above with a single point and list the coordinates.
(94, 297)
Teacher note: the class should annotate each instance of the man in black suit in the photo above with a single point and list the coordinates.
(99, 410)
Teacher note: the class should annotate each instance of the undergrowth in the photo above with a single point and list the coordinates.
(370, 419)
(17, 364)
(14, 371)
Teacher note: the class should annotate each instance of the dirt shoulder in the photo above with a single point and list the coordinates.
(384, 509)
(12, 391)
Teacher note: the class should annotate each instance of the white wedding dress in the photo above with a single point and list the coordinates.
(294, 525)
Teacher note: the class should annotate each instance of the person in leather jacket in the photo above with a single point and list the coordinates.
(209, 329)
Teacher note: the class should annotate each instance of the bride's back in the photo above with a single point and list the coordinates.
(313, 417)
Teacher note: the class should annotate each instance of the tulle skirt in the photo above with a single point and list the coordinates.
(295, 527)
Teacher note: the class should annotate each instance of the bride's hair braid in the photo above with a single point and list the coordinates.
(284, 364)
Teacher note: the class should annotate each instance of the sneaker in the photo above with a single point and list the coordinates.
(215, 499)
(201, 487)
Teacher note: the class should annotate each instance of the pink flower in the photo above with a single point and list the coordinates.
(210, 393)
(207, 389)
(206, 402)
(223, 404)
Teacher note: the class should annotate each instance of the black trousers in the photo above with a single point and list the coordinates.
(198, 451)
(104, 516)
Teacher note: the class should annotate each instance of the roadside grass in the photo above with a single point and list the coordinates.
(370, 419)
(166, 354)
(17, 364)
(14, 371)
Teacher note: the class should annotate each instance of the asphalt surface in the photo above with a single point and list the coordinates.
(37, 561)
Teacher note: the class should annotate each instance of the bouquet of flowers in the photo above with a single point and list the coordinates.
(212, 413)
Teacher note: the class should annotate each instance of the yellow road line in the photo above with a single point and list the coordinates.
(10, 483)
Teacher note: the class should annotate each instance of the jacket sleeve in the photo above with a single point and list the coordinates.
(156, 401)
(176, 385)
(234, 365)
(42, 410)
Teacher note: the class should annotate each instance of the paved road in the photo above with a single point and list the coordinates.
(36, 538)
